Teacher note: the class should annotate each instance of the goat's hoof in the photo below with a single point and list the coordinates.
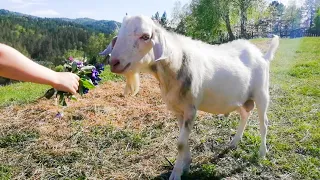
(263, 152)
(234, 144)
(175, 176)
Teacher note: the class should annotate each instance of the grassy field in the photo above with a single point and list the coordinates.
(107, 136)
(21, 93)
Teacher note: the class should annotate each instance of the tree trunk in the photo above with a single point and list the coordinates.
(243, 16)
(227, 21)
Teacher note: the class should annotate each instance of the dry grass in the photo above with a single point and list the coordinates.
(107, 136)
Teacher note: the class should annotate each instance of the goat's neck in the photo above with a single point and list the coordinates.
(166, 71)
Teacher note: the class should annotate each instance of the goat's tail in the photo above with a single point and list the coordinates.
(272, 49)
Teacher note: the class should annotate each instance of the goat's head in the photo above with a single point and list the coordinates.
(138, 42)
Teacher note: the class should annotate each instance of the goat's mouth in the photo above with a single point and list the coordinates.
(115, 68)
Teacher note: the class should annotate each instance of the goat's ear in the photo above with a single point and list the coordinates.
(109, 48)
(159, 46)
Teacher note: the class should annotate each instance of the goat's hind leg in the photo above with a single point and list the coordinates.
(244, 112)
(262, 102)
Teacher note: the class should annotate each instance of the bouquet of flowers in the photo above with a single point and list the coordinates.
(89, 78)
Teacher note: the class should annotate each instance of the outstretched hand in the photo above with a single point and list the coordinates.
(67, 82)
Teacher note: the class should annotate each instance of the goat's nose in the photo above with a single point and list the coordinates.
(114, 62)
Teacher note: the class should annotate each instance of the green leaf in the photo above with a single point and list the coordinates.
(87, 83)
(80, 88)
(62, 100)
(74, 66)
(50, 93)
(74, 98)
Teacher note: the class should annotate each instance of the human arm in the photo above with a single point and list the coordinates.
(15, 65)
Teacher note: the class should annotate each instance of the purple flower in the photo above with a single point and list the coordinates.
(80, 64)
(71, 58)
(59, 115)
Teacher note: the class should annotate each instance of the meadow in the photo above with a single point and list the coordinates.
(104, 135)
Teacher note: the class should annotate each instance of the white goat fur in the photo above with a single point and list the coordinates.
(193, 75)
(133, 79)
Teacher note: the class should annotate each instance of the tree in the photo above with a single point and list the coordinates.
(208, 19)
(316, 27)
(309, 11)
(179, 17)
(244, 6)
(277, 11)
(163, 20)
(96, 43)
(293, 16)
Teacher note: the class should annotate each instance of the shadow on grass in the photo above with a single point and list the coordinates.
(207, 170)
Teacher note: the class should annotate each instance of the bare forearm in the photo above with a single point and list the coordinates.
(15, 65)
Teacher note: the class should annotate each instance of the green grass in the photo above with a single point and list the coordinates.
(21, 93)
(107, 75)
(107, 152)
(5, 172)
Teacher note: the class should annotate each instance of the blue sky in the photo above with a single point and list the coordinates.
(96, 9)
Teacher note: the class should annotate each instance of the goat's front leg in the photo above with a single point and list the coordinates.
(132, 85)
(184, 155)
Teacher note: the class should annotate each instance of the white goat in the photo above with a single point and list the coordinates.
(133, 79)
(197, 76)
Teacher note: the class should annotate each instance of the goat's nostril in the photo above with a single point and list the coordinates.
(115, 62)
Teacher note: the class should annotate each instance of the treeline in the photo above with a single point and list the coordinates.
(213, 20)
(51, 41)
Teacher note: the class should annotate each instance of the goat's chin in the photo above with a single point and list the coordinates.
(120, 69)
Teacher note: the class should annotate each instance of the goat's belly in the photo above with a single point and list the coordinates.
(218, 109)
(216, 104)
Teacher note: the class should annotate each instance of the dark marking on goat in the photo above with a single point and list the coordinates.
(180, 147)
(184, 75)
(187, 124)
(248, 105)
(136, 45)
(153, 68)
(189, 121)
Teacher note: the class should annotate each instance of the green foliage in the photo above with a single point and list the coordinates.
(20, 93)
(316, 27)
(51, 40)
(107, 75)
(96, 43)
(59, 68)
(78, 54)
(5, 172)
(16, 138)
(306, 69)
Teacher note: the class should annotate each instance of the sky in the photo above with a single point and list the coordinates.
(95, 9)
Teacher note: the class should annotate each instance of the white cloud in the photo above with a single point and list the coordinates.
(19, 4)
(45, 13)
(16, 1)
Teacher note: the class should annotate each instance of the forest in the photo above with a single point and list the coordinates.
(51, 41)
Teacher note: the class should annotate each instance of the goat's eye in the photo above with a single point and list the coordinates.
(145, 37)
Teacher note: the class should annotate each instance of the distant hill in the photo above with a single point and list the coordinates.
(51, 40)
(105, 26)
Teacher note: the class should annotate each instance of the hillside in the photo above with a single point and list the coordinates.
(105, 26)
(51, 41)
